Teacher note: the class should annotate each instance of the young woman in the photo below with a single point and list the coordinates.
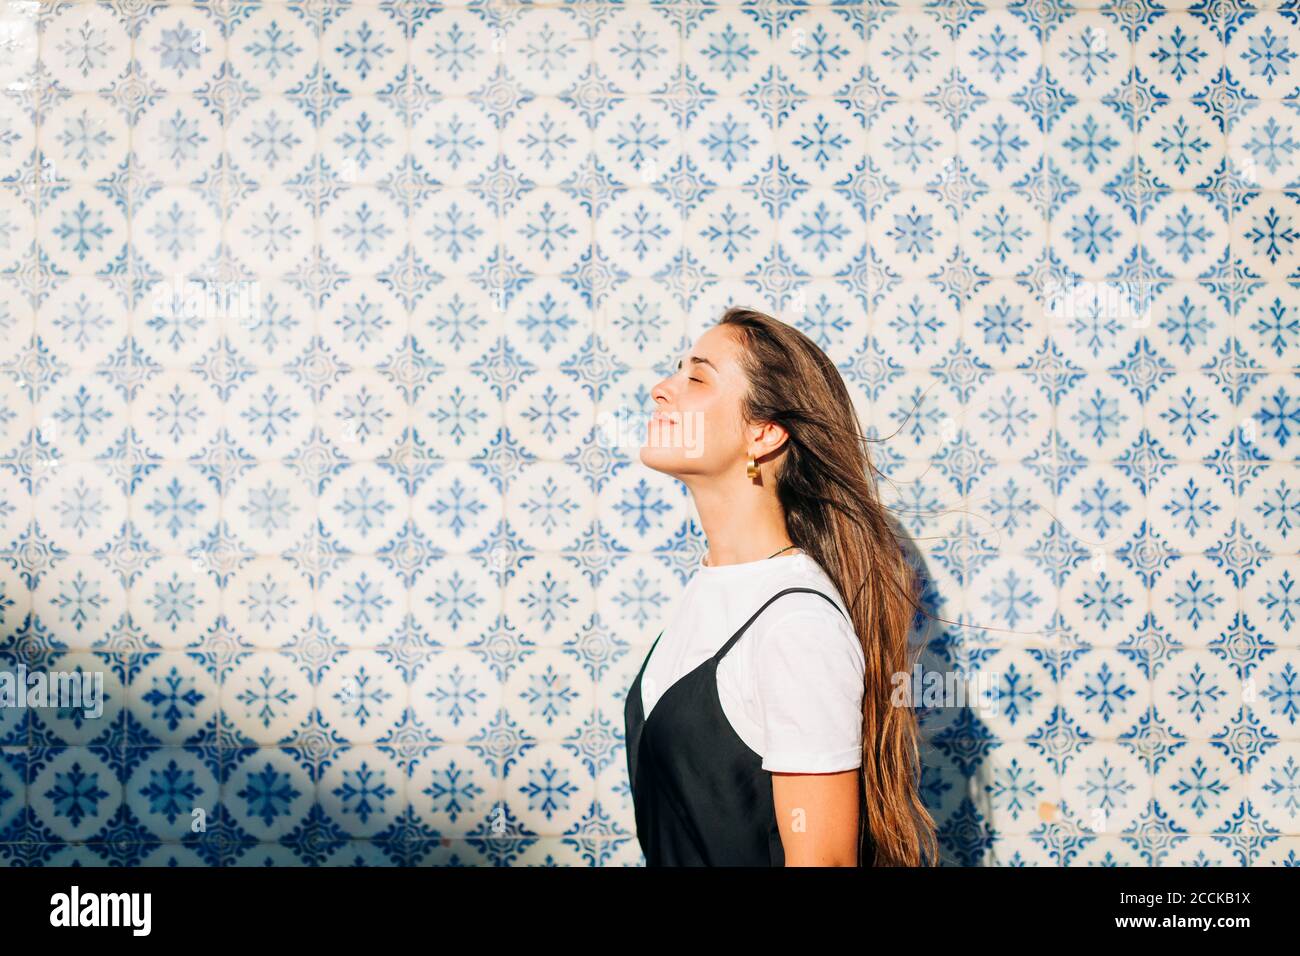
(759, 728)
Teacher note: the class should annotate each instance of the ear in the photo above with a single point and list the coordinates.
(768, 437)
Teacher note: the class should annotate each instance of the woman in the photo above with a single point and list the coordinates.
(759, 728)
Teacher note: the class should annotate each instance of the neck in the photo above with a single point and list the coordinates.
(740, 527)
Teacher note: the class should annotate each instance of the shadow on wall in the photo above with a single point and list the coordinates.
(945, 683)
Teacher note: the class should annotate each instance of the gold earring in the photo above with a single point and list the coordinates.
(751, 467)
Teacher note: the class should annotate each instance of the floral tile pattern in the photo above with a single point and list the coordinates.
(329, 333)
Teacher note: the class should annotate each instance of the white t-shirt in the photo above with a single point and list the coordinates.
(792, 685)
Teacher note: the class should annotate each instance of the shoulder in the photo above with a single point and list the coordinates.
(807, 678)
(801, 575)
(817, 602)
(806, 634)
(809, 634)
(807, 604)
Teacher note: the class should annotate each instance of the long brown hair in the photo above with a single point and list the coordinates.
(825, 482)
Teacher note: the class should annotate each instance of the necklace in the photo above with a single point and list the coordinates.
(770, 556)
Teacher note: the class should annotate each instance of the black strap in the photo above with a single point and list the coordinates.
(744, 627)
(647, 656)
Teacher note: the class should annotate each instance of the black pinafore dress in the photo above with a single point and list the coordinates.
(700, 794)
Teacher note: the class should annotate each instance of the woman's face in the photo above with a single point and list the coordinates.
(697, 427)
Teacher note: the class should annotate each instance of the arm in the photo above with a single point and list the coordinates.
(808, 684)
(817, 814)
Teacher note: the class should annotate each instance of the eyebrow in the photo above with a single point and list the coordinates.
(701, 361)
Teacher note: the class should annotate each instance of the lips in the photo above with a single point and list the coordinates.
(665, 419)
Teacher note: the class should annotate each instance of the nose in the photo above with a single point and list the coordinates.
(662, 393)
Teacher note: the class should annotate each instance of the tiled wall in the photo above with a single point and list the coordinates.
(359, 538)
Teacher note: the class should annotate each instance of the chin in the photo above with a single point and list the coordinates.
(673, 462)
(669, 460)
(660, 459)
